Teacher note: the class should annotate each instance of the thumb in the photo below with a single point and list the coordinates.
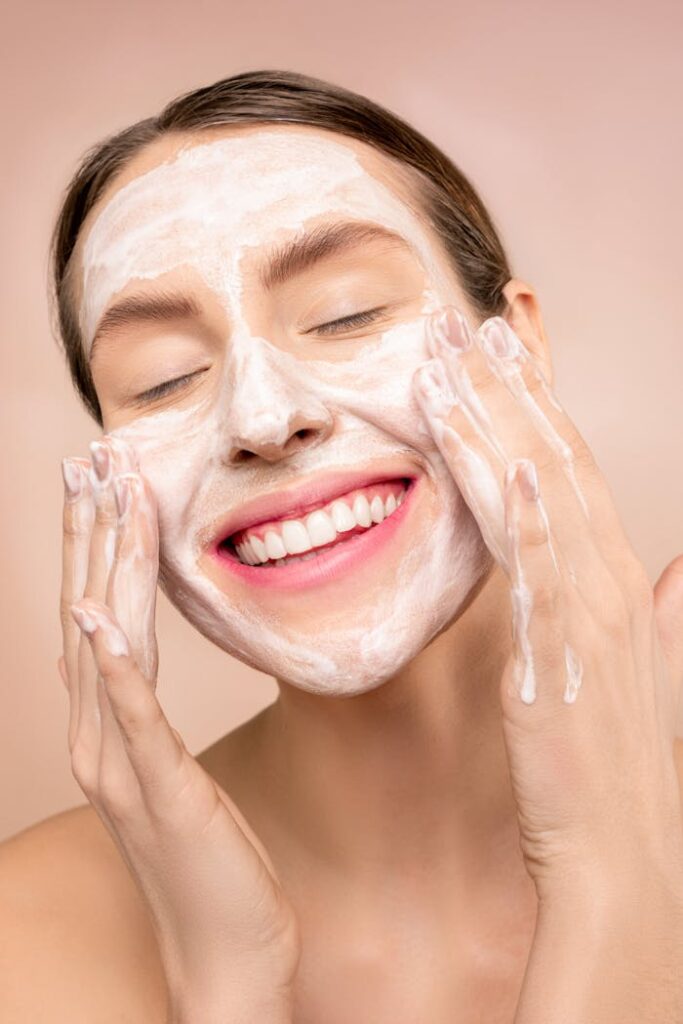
(668, 596)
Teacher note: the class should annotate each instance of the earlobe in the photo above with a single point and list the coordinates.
(524, 316)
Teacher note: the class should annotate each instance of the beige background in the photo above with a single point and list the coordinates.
(567, 118)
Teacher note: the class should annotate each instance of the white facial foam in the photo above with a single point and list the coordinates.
(206, 209)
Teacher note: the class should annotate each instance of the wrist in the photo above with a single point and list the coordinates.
(241, 1007)
(254, 994)
(606, 953)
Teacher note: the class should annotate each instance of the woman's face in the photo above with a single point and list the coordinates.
(237, 265)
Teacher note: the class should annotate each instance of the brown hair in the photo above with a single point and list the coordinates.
(261, 97)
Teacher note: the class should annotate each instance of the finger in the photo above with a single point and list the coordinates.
(494, 427)
(78, 518)
(489, 418)
(153, 750)
(542, 655)
(133, 580)
(94, 709)
(113, 758)
(124, 456)
(476, 479)
(103, 538)
(61, 668)
(668, 600)
(515, 367)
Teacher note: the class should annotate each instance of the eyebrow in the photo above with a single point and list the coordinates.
(320, 243)
(280, 265)
(156, 307)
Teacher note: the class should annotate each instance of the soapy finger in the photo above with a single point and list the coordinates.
(154, 752)
(131, 593)
(103, 538)
(542, 655)
(78, 516)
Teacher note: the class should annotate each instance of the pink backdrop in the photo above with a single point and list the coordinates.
(566, 116)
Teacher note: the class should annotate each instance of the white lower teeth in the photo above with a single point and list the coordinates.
(296, 558)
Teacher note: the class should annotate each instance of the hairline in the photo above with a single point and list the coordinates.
(415, 190)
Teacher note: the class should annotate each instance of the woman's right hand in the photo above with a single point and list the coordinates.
(228, 936)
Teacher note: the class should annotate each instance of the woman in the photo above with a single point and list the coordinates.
(330, 435)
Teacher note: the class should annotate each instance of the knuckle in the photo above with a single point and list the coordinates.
(139, 717)
(83, 769)
(116, 795)
(640, 590)
(549, 657)
(614, 619)
(65, 616)
(532, 531)
(106, 514)
(546, 599)
(71, 527)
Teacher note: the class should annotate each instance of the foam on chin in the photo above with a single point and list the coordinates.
(204, 209)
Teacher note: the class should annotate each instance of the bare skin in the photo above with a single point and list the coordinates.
(70, 901)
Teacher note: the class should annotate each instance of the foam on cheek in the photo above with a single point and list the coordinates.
(206, 208)
(346, 647)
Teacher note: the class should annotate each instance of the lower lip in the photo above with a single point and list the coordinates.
(331, 563)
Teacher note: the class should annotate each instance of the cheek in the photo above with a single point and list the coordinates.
(175, 450)
(375, 386)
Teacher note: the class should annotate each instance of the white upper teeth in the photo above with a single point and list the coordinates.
(296, 536)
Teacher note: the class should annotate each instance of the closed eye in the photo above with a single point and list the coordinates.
(362, 319)
(165, 388)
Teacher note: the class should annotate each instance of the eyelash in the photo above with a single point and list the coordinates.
(163, 389)
(368, 316)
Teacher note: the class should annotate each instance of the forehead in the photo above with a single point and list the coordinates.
(204, 201)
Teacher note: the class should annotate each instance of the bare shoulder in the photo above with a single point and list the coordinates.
(75, 939)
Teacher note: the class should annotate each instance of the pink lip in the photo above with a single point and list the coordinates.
(330, 564)
(292, 503)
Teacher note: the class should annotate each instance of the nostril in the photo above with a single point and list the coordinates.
(242, 455)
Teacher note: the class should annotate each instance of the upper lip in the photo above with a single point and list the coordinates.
(295, 501)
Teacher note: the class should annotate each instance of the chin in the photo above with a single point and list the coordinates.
(357, 659)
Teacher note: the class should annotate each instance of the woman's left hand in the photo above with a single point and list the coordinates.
(590, 691)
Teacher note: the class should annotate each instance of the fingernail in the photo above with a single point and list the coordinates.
(83, 620)
(121, 494)
(499, 339)
(73, 481)
(527, 478)
(434, 389)
(100, 460)
(449, 328)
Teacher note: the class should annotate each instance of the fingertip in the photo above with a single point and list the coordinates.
(124, 452)
(73, 479)
(83, 620)
(97, 621)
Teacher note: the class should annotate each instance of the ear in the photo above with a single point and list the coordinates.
(523, 313)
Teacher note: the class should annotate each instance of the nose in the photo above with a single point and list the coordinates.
(273, 413)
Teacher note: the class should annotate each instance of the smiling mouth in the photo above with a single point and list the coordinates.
(280, 542)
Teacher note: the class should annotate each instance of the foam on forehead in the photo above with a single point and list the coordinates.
(210, 201)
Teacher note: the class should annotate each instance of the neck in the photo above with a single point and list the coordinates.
(410, 776)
